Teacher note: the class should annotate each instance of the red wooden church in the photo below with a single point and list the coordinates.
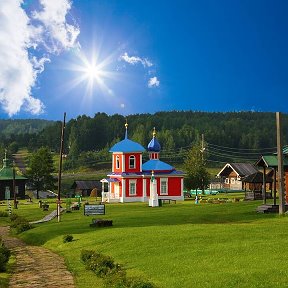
(131, 180)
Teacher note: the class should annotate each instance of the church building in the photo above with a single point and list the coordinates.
(131, 179)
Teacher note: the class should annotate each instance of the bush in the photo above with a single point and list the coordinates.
(86, 255)
(21, 227)
(20, 223)
(67, 238)
(4, 256)
(114, 275)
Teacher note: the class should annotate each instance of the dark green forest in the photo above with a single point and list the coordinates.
(231, 136)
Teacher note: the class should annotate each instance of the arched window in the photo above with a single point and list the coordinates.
(117, 162)
(132, 162)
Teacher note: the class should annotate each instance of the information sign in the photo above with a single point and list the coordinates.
(94, 209)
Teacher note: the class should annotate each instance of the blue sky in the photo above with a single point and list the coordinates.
(148, 56)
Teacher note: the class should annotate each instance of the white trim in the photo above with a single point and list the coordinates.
(123, 163)
(113, 155)
(144, 189)
(182, 186)
(166, 186)
(123, 189)
(132, 182)
(141, 162)
(134, 162)
(117, 158)
(229, 166)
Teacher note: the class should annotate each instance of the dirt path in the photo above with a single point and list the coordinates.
(36, 266)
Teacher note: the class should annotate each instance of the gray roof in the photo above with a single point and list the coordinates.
(86, 184)
(242, 169)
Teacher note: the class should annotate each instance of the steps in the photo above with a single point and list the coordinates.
(269, 208)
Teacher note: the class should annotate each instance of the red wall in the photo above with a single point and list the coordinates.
(139, 187)
(174, 186)
(137, 161)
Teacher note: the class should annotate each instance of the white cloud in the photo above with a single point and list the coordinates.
(153, 82)
(19, 37)
(58, 34)
(136, 60)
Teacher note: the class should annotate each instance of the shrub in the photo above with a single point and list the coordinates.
(4, 256)
(21, 227)
(86, 255)
(67, 238)
(114, 274)
(20, 223)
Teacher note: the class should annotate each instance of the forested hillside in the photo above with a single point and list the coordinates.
(238, 136)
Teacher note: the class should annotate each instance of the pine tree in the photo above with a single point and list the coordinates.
(197, 177)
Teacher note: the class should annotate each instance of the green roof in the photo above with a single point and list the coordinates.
(271, 161)
(6, 173)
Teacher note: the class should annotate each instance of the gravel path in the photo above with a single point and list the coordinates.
(36, 266)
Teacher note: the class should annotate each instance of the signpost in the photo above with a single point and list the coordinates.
(94, 209)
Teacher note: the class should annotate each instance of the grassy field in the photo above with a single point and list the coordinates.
(183, 245)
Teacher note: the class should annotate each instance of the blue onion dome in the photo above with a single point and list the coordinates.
(154, 145)
(127, 145)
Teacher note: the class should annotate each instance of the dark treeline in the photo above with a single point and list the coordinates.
(87, 139)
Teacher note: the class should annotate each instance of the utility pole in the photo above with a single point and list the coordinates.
(202, 147)
(60, 168)
(280, 163)
(14, 187)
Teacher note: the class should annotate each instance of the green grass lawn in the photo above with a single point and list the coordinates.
(183, 245)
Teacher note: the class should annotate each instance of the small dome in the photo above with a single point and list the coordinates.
(126, 146)
(154, 145)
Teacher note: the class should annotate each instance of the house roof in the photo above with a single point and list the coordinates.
(156, 165)
(257, 178)
(127, 146)
(6, 173)
(241, 169)
(270, 161)
(86, 184)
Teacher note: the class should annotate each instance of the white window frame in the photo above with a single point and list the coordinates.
(132, 183)
(226, 181)
(117, 162)
(163, 188)
(132, 158)
(232, 181)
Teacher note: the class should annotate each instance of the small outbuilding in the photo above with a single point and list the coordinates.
(253, 186)
(84, 187)
(6, 182)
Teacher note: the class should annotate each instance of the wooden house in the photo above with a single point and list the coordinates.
(269, 165)
(232, 174)
(84, 187)
(6, 182)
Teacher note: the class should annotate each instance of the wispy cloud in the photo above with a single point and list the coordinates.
(136, 60)
(44, 32)
(153, 82)
(147, 64)
(57, 34)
